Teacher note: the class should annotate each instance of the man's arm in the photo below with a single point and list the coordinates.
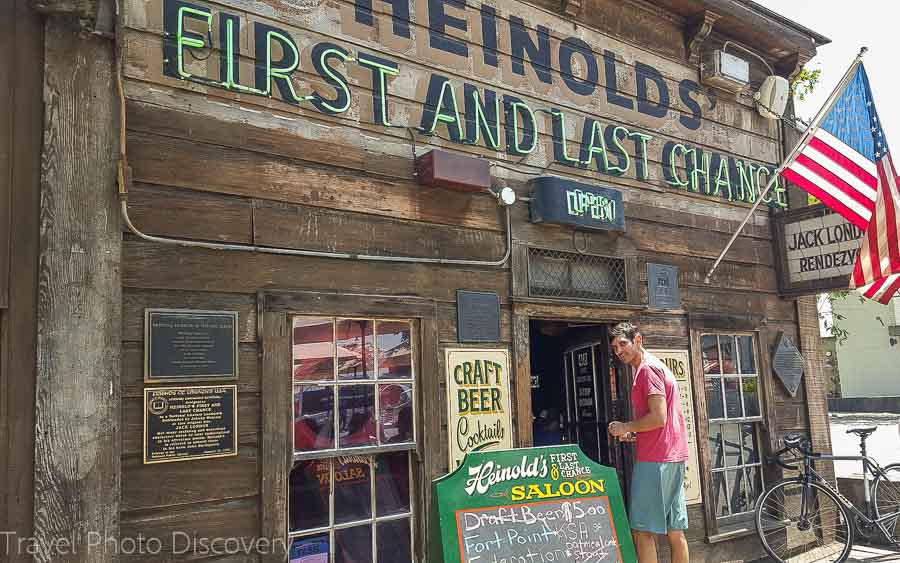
(655, 418)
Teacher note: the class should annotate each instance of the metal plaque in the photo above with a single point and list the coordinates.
(788, 364)
(816, 250)
(557, 200)
(662, 286)
(184, 423)
(189, 345)
(477, 316)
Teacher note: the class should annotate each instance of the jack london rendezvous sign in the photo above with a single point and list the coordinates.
(544, 505)
(816, 250)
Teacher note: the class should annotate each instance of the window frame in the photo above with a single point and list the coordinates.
(725, 420)
(274, 335)
(721, 529)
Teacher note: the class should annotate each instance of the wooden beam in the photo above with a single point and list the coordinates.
(77, 407)
(22, 30)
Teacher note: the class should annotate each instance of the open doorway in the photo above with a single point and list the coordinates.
(577, 387)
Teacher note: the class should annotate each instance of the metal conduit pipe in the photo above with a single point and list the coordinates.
(319, 253)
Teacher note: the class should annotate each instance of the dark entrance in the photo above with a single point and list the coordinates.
(577, 388)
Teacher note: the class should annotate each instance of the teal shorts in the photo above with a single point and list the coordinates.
(657, 497)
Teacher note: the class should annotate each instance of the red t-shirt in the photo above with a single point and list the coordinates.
(669, 443)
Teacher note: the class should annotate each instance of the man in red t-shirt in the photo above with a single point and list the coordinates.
(656, 504)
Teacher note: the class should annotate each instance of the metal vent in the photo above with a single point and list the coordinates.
(552, 273)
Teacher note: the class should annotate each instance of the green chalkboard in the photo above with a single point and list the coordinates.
(536, 505)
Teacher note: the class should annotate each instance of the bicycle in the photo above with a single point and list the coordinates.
(805, 519)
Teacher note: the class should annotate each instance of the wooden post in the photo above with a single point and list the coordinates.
(77, 403)
(814, 380)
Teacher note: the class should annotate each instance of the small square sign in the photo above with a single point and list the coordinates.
(477, 316)
(662, 285)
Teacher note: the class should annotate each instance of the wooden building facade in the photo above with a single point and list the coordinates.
(268, 161)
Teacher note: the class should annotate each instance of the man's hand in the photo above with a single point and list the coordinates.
(628, 437)
(618, 429)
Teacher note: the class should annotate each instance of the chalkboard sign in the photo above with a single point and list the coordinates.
(788, 364)
(182, 423)
(549, 504)
(189, 345)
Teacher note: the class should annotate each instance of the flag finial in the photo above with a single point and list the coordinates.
(863, 51)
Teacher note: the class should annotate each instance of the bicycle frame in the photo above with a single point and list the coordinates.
(869, 465)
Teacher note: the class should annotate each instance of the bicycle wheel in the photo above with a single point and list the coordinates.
(886, 496)
(826, 534)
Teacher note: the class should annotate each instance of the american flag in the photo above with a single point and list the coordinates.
(847, 166)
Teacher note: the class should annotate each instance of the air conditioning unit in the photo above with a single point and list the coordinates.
(725, 71)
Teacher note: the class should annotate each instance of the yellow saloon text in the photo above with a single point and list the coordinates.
(555, 490)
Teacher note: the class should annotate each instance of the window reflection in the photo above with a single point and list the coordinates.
(714, 405)
(357, 416)
(355, 348)
(313, 417)
(710, 351)
(311, 549)
(353, 545)
(309, 494)
(396, 407)
(352, 489)
(394, 350)
(313, 349)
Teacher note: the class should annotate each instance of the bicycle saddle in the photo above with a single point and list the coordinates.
(863, 432)
(794, 439)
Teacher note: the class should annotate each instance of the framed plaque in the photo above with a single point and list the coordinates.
(185, 423)
(477, 316)
(190, 345)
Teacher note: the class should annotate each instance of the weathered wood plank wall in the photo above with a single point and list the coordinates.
(210, 164)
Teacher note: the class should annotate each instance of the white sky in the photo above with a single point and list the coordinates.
(850, 26)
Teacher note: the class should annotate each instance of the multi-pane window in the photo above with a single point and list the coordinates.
(350, 496)
(731, 374)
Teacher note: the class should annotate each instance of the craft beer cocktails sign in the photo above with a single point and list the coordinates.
(478, 416)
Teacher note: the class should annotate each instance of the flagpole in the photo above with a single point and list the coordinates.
(804, 140)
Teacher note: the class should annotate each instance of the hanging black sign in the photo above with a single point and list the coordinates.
(189, 345)
(557, 200)
(662, 286)
(477, 316)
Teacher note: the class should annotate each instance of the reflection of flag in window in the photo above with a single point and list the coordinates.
(846, 164)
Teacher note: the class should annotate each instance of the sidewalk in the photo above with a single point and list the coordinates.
(860, 554)
(871, 554)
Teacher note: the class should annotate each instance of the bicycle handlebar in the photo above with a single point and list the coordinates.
(777, 460)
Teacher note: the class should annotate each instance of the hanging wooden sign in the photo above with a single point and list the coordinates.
(548, 504)
(815, 250)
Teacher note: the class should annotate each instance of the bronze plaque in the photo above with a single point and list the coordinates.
(189, 345)
(184, 423)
